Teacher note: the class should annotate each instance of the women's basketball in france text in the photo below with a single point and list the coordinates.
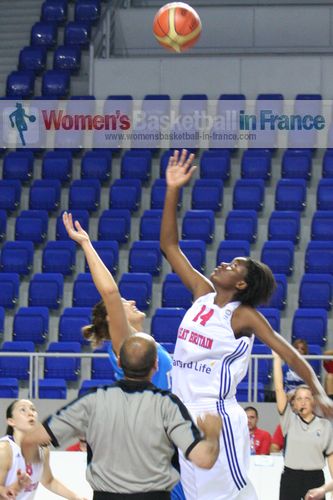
(177, 26)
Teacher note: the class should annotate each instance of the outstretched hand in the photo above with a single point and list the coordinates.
(7, 493)
(23, 479)
(180, 169)
(74, 230)
(315, 494)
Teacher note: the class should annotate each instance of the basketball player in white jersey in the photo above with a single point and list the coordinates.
(18, 479)
(214, 345)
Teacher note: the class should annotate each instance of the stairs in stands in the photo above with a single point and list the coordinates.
(16, 19)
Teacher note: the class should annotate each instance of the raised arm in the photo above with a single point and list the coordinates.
(179, 172)
(247, 319)
(281, 397)
(119, 328)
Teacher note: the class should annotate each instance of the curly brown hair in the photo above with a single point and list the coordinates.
(98, 331)
(260, 284)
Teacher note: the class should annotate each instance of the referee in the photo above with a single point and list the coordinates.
(133, 431)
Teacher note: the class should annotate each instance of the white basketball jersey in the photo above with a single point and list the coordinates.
(35, 471)
(209, 362)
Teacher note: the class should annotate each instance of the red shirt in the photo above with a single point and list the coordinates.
(262, 441)
(278, 437)
(74, 447)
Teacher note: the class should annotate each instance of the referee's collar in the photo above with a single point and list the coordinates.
(134, 385)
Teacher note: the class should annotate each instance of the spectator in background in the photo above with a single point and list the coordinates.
(290, 378)
(260, 440)
(328, 365)
(81, 445)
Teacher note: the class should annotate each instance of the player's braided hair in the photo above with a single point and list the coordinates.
(260, 284)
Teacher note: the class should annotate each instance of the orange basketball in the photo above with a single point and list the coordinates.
(177, 26)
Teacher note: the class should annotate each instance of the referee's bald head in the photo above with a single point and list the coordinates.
(138, 356)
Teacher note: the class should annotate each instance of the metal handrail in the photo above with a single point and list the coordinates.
(34, 358)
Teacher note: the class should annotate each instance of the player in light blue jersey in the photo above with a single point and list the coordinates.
(115, 318)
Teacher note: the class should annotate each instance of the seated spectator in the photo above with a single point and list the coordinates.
(290, 378)
(260, 439)
(81, 445)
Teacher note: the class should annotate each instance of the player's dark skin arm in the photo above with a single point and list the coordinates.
(179, 172)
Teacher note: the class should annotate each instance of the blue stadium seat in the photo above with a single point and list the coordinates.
(279, 256)
(296, 164)
(284, 226)
(56, 83)
(228, 105)
(9, 289)
(17, 257)
(145, 257)
(10, 195)
(195, 251)
(32, 59)
(87, 11)
(249, 194)
(77, 34)
(45, 195)
(2, 321)
(55, 388)
(165, 323)
(290, 194)
(81, 215)
(12, 366)
(71, 322)
(215, 165)
(256, 164)
(242, 393)
(63, 367)
(101, 368)
(88, 385)
(44, 34)
(85, 293)
(96, 165)
(316, 290)
(31, 225)
(136, 165)
(241, 225)
(264, 365)
(46, 289)
(31, 324)
(109, 253)
(84, 194)
(273, 317)
(3, 224)
(229, 249)
(54, 11)
(138, 287)
(20, 84)
(59, 257)
(57, 165)
(150, 225)
(115, 224)
(322, 225)
(125, 193)
(319, 257)
(174, 293)
(157, 195)
(164, 162)
(207, 194)
(67, 58)
(18, 165)
(190, 103)
(325, 194)
(9, 388)
(328, 164)
(310, 325)
(279, 297)
(198, 225)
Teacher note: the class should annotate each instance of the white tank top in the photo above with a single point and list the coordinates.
(209, 362)
(34, 470)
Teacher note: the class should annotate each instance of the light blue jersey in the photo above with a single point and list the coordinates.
(162, 378)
